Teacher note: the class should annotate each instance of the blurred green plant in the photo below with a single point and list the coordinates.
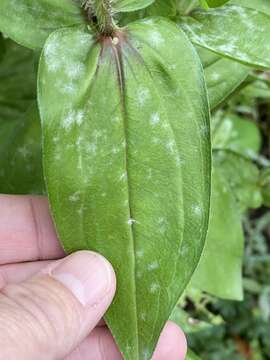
(225, 310)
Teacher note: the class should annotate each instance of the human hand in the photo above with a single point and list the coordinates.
(52, 309)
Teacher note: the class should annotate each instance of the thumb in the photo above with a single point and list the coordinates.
(48, 316)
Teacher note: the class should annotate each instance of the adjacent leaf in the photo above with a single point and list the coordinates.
(213, 3)
(130, 5)
(20, 133)
(223, 77)
(184, 7)
(207, 57)
(244, 35)
(128, 174)
(243, 178)
(2, 47)
(29, 22)
(238, 134)
(17, 81)
(220, 269)
(261, 5)
(192, 356)
(20, 160)
(188, 324)
(163, 8)
(258, 90)
(235, 188)
(265, 186)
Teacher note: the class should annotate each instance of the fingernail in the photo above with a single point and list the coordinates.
(87, 275)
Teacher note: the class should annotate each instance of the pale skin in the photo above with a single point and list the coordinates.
(52, 308)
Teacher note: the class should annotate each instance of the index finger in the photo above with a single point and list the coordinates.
(27, 232)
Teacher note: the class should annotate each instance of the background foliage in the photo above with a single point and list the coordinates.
(226, 308)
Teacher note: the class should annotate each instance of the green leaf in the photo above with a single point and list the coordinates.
(130, 5)
(223, 77)
(265, 186)
(261, 5)
(238, 134)
(186, 322)
(162, 8)
(2, 47)
(158, 8)
(17, 81)
(235, 188)
(192, 356)
(220, 269)
(20, 133)
(244, 35)
(29, 22)
(128, 174)
(213, 3)
(20, 160)
(243, 178)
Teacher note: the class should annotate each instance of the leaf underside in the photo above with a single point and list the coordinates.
(223, 76)
(29, 22)
(236, 32)
(127, 164)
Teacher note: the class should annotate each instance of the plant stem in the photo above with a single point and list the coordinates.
(101, 12)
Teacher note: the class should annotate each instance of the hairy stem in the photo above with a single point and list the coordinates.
(101, 12)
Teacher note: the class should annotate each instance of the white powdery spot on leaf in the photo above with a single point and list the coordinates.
(23, 151)
(148, 22)
(227, 48)
(215, 76)
(184, 250)
(146, 354)
(156, 39)
(75, 197)
(57, 157)
(80, 211)
(132, 221)
(68, 89)
(51, 48)
(69, 120)
(154, 287)
(153, 266)
(91, 148)
(75, 71)
(143, 94)
(115, 150)
(139, 253)
(116, 120)
(73, 117)
(155, 119)
(55, 139)
(79, 140)
(79, 117)
(170, 145)
(197, 210)
(143, 316)
(123, 177)
(172, 67)
(204, 131)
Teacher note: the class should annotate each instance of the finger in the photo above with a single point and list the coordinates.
(17, 273)
(56, 309)
(100, 345)
(27, 232)
(172, 343)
